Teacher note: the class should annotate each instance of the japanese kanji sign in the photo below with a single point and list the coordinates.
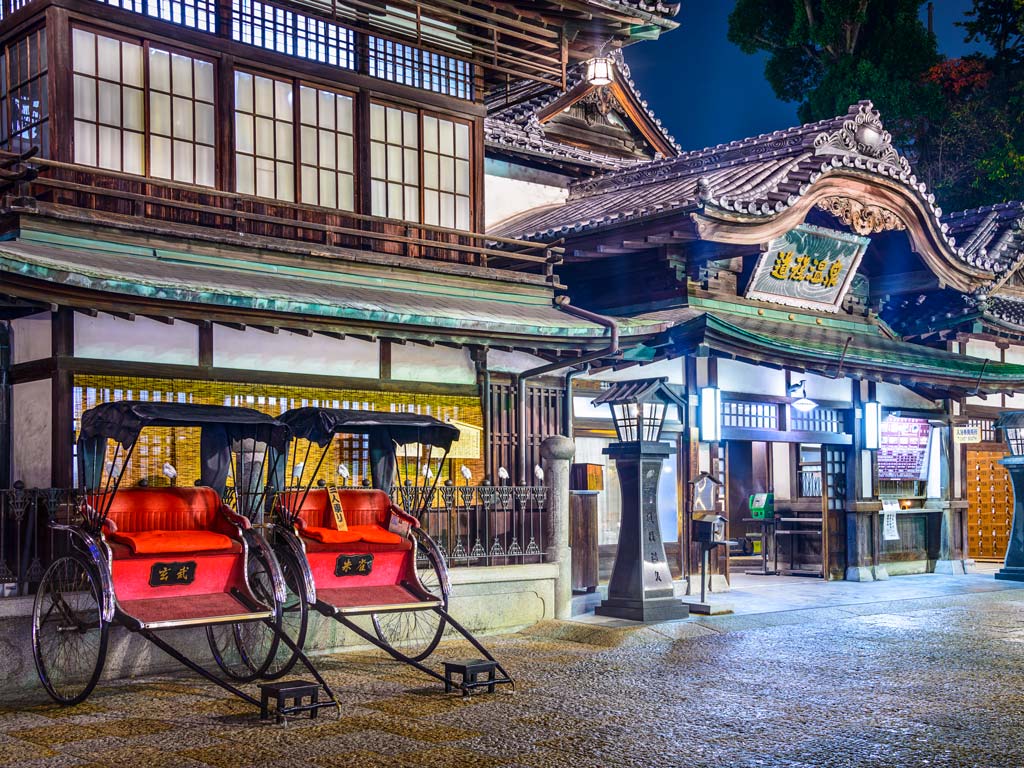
(808, 267)
(353, 565)
(172, 574)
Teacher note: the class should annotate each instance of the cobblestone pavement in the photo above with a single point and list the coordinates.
(936, 682)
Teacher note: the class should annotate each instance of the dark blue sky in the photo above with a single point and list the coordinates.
(707, 91)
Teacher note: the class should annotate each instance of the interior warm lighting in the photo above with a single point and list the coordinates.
(599, 70)
(872, 425)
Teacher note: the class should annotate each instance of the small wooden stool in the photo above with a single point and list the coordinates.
(296, 690)
(470, 669)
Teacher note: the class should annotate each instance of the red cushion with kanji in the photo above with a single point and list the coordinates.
(375, 534)
(330, 535)
(175, 542)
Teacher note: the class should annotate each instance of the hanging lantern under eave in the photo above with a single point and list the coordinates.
(599, 70)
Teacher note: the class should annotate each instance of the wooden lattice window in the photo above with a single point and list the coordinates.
(282, 30)
(818, 420)
(264, 137)
(195, 14)
(24, 107)
(109, 103)
(750, 415)
(327, 148)
(446, 172)
(409, 65)
(182, 122)
(394, 162)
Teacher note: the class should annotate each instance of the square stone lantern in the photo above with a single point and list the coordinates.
(1012, 425)
(640, 588)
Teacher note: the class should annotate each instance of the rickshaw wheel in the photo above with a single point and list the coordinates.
(69, 635)
(294, 616)
(416, 633)
(243, 650)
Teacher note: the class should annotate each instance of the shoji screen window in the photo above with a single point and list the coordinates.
(394, 162)
(109, 102)
(326, 148)
(181, 118)
(264, 138)
(446, 173)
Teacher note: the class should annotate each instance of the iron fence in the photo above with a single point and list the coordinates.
(478, 525)
(27, 543)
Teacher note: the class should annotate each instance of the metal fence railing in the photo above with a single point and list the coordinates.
(478, 525)
(27, 544)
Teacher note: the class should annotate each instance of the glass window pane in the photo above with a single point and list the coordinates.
(264, 137)
(394, 125)
(326, 115)
(446, 137)
(462, 177)
(243, 92)
(181, 75)
(328, 188)
(160, 157)
(264, 96)
(85, 98)
(110, 148)
(310, 185)
(184, 161)
(377, 122)
(394, 163)
(134, 154)
(206, 166)
(345, 113)
(430, 207)
(131, 64)
(395, 200)
(85, 143)
(327, 148)
(245, 175)
(182, 118)
(346, 192)
(462, 213)
(159, 70)
(285, 182)
(109, 98)
(307, 104)
(205, 123)
(412, 134)
(412, 169)
(134, 111)
(160, 114)
(285, 141)
(378, 199)
(412, 204)
(108, 58)
(283, 101)
(430, 174)
(265, 177)
(461, 140)
(447, 216)
(84, 46)
(244, 140)
(430, 134)
(345, 153)
(377, 160)
(204, 80)
(447, 171)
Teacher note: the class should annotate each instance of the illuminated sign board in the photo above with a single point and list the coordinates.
(808, 267)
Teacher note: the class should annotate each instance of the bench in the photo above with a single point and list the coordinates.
(368, 513)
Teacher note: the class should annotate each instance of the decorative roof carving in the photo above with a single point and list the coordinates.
(864, 219)
(862, 134)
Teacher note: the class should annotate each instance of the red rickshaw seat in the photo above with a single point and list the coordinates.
(143, 522)
(330, 535)
(367, 514)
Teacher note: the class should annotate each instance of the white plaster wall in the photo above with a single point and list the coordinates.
(734, 376)
(1015, 355)
(257, 350)
(142, 340)
(415, 362)
(895, 396)
(781, 471)
(31, 338)
(986, 350)
(31, 433)
(505, 197)
(512, 362)
(824, 388)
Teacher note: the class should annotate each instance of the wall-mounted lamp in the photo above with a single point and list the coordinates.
(710, 414)
(872, 425)
(803, 403)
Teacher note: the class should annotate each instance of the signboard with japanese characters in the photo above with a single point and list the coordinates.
(808, 267)
(967, 433)
(903, 449)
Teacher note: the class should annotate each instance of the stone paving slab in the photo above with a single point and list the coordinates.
(915, 682)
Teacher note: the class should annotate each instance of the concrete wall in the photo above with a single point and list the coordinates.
(484, 600)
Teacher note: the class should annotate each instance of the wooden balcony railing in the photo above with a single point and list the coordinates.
(164, 202)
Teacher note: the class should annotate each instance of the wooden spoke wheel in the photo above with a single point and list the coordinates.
(416, 633)
(69, 635)
(245, 650)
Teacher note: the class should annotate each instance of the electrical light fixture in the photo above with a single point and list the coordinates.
(803, 403)
(710, 414)
(599, 70)
(872, 425)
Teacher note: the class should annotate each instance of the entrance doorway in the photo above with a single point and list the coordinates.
(989, 505)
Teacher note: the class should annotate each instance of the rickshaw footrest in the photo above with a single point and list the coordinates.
(294, 690)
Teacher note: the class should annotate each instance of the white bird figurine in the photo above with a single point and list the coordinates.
(297, 469)
(169, 471)
(502, 473)
(464, 470)
(343, 472)
(538, 472)
(428, 472)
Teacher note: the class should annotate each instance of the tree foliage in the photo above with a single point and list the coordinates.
(961, 121)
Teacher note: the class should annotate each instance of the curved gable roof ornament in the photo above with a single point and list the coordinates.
(863, 134)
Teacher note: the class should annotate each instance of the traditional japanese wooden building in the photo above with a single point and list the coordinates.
(812, 285)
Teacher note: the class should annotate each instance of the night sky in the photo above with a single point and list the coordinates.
(707, 91)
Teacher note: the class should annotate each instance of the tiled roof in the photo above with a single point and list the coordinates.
(992, 237)
(758, 177)
(512, 119)
(655, 8)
